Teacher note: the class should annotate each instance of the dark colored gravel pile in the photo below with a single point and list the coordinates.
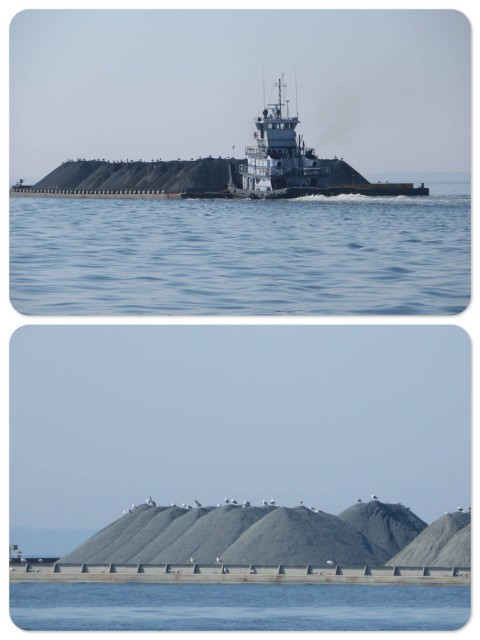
(389, 526)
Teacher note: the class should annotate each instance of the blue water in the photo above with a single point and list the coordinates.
(237, 607)
(314, 255)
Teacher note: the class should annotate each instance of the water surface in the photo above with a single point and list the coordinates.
(314, 255)
(237, 607)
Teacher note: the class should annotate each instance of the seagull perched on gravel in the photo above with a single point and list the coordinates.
(151, 503)
(265, 503)
(246, 503)
(330, 563)
(374, 497)
(460, 509)
(192, 560)
(227, 501)
(197, 503)
(218, 559)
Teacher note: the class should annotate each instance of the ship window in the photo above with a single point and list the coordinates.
(279, 164)
(314, 163)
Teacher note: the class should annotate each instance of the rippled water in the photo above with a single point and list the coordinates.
(314, 255)
(237, 607)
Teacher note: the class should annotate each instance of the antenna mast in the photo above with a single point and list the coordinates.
(263, 74)
(296, 93)
(280, 94)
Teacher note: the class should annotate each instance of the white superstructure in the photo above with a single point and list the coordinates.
(280, 159)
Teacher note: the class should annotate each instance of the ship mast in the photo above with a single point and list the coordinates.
(280, 82)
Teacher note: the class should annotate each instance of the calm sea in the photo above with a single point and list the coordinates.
(314, 255)
(237, 607)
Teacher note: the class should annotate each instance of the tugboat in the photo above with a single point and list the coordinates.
(280, 165)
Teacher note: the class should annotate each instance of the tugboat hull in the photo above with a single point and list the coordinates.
(365, 190)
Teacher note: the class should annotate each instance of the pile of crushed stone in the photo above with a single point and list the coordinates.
(389, 526)
(365, 534)
(444, 543)
(206, 174)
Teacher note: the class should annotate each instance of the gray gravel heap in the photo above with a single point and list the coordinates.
(390, 526)
(457, 552)
(300, 536)
(439, 545)
(361, 535)
(208, 538)
(207, 174)
(204, 174)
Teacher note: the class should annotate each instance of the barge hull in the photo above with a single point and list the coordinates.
(390, 190)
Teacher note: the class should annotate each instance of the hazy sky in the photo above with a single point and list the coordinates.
(387, 90)
(105, 416)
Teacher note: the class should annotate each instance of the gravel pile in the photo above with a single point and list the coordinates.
(457, 552)
(101, 546)
(389, 526)
(361, 535)
(439, 545)
(300, 536)
(208, 538)
(207, 174)
(164, 539)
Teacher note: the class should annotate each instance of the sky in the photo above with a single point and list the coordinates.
(105, 416)
(387, 90)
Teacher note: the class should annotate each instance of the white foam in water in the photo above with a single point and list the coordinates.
(352, 197)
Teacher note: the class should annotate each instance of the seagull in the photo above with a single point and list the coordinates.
(197, 503)
(192, 560)
(151, 502)
(234, 502)
(227, 501)
(173, 504)
(359, 499)
(301, 501)
(272, 502)
(218, 559)
(330, 562)
(374, 497)
(265, 503)
(246, 503)
(460, 509)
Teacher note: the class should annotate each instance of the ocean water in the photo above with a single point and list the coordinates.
(237, 607)
(313, 255)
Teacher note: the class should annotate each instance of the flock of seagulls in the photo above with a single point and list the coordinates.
(230, 501)
(247, 503)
